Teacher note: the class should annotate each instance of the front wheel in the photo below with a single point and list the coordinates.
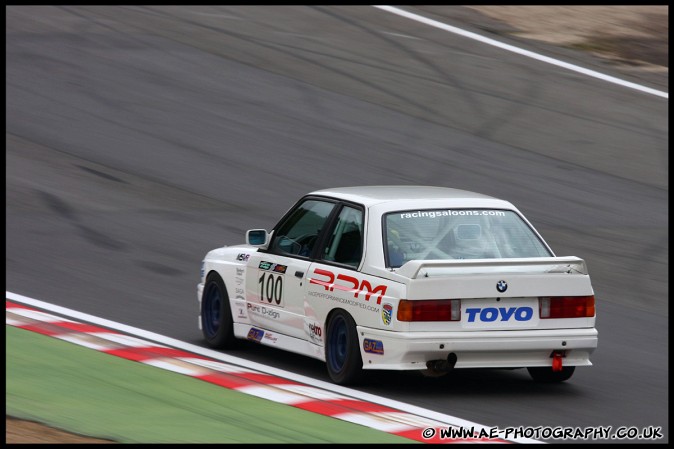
(342, 353)
(545, 374)
(216, 316)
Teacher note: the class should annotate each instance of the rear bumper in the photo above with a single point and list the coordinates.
(475, 349)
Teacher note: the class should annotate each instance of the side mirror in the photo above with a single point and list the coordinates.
(257, 237)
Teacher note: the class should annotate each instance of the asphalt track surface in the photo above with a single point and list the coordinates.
(139, 138)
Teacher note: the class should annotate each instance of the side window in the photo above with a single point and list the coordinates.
(345, 245)
(298, 233)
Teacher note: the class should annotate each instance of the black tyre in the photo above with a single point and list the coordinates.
(342, 353)
(546, 374)
(216, 315)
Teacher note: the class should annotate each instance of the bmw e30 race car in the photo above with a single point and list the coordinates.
(403, 278)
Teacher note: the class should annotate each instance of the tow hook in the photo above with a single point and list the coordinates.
(557, 360)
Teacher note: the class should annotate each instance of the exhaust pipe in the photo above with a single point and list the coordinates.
(442, 365)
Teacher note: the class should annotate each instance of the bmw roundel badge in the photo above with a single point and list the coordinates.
(501, 286)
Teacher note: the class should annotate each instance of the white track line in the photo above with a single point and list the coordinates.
(408, 408)
(512, 48)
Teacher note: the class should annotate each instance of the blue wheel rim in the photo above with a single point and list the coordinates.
(338, 343)
(211, 310)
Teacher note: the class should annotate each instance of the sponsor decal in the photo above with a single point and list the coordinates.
(373, 346)
(253, 308)
(262, 310)
(501, 286)
(345, 301)
(271, 337)
(490, 314)
(451, 213)
(241, 312)
(240, 291)
(239, 271)
(387, 313)
(243, 257)
(255, 334)
(349, 284)
(238, 280)
(315, 330)
(275, 267)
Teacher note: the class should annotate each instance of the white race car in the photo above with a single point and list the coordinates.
(402, 278)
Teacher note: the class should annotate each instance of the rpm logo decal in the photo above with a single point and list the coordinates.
(350, 284)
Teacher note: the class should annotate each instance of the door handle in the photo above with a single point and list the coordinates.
(299, 274)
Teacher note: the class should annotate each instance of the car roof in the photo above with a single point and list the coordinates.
(371, 195)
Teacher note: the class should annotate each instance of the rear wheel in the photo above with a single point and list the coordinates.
(216, 315)
(546, 374)
(342, 353)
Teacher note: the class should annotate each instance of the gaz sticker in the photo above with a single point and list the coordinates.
(373, 346)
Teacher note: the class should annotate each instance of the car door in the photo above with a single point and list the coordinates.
(276, 276)
(333, 278)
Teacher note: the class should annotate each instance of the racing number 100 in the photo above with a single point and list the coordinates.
(271, 289)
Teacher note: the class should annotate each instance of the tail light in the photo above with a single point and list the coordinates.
(566, 306)
(429, 310)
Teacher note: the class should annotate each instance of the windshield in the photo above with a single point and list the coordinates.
(458, 234)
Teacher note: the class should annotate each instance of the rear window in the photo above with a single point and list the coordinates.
(458, 234)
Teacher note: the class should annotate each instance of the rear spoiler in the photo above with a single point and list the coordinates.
(433, 268)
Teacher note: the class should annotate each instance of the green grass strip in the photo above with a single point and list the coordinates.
(91, 393)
